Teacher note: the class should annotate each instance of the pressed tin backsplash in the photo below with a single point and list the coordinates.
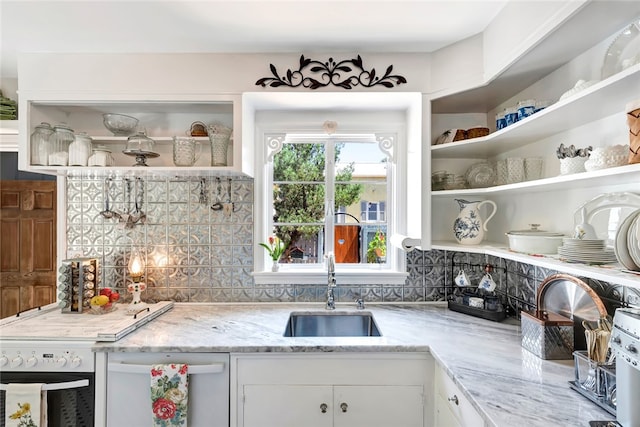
(198, 254)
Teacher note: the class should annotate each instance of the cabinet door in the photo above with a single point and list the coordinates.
(455, 400)
(28, 245)
(379, 406)
(287, 406)
(443, 415)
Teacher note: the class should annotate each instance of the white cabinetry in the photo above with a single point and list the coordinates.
(452, 408)
(8, 135)
(366, 389)
(594, 116)
(161, 118)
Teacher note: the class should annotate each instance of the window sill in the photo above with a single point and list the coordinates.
(319, 277)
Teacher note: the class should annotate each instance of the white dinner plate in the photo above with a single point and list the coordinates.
(633, 245)
(620, 246)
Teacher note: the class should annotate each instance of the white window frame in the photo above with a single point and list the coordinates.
(387, 143)
(271, 124)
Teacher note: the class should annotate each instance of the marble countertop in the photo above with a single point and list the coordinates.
(508, 385)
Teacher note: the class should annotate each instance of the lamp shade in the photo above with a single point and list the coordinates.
(136, 263)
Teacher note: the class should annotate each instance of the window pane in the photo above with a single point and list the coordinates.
(361, 186)
(299, 162)
(299, 199)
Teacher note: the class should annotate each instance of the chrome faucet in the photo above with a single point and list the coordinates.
(331, 281)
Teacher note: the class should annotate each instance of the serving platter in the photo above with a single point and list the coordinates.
(633, 244)
(623, 52)
(621, 247)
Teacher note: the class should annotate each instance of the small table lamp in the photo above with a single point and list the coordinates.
(136, 268)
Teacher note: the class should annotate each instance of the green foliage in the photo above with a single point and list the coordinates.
(304, 202)
(275, 248)
(377, 247)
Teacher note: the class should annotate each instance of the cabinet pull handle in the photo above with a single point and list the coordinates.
(323, 407)
(453, 399)
(344, 407)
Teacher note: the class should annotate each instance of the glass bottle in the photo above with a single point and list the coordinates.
(41, 140)
(80, 150)
(62, 137)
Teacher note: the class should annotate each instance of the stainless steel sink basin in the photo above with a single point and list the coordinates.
(331, 324)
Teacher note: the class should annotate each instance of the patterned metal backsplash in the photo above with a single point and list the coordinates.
(198, 254)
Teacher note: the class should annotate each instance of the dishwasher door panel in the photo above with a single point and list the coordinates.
(129, 385)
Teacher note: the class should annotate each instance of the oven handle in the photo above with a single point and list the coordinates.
(57, 386)
(214, 368)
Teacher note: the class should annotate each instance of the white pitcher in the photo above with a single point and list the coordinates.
(468, 228)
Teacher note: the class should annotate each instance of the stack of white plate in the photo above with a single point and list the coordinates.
(627, 244)
(586, 251)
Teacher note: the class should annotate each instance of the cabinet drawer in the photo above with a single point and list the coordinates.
(459, 404)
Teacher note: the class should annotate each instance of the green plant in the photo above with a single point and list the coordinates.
(275, 248)
(377, 247)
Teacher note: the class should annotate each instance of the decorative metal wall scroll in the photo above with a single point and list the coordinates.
(331, 73)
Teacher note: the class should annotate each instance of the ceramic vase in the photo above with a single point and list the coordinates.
(468, 227)
(275, 266)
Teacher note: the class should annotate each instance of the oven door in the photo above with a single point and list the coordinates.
(70, 396)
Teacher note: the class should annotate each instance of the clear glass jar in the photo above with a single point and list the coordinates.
(80, 150)
(41, 141)
(62, 137)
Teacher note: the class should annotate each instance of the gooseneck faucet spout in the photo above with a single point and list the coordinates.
(331, 281)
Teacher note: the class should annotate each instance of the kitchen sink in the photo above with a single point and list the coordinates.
(331, 324)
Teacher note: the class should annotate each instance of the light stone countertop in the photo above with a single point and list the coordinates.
(508, 385)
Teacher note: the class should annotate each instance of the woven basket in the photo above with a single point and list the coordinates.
(633, 120)
(477, 132)
(460, 135)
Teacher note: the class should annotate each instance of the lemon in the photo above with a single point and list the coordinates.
(99, 300)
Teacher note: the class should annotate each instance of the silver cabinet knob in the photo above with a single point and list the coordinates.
(344, 407)
(323, 407)
(453, 399)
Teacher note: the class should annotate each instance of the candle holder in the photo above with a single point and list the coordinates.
(136, 268)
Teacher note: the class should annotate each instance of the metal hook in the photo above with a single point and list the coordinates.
(202, 198)
(218, 205)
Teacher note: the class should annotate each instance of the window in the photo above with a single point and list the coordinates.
(318, 184)
(359, 197)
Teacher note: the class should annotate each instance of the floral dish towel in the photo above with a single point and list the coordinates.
(169, 395)
(26, 405)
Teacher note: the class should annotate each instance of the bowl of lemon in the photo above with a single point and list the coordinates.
(104, 302)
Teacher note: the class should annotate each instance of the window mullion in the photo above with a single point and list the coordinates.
(330, 195)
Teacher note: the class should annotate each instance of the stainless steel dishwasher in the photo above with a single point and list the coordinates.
(129, 380)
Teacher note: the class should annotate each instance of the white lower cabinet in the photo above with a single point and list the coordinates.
(452, 408)
(346, 390)
(340, 406)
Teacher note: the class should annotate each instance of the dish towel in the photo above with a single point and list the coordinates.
(26, 405)
(169, 394)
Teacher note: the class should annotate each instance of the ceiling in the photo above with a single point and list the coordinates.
(241, 26)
